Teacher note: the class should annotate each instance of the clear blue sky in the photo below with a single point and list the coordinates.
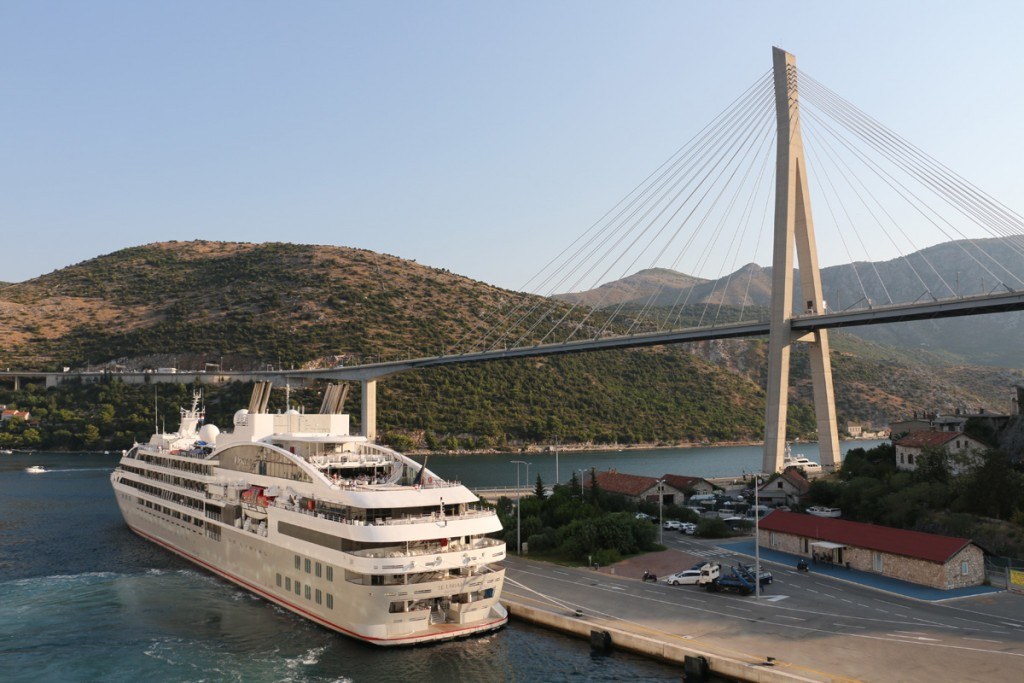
(473, 136)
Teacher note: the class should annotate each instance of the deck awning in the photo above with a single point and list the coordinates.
(827, 545)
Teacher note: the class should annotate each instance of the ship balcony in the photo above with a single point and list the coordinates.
(432, 558)
(434, 517)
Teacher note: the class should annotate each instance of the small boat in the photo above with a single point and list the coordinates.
(35, 469)
(6, 451)
(790, 460)
(824, 512)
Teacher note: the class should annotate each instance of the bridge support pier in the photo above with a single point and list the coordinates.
(368, 413)
(794, 227)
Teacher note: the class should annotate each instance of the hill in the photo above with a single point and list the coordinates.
(960, 267)
(247, 305)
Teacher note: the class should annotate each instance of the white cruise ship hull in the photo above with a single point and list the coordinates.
(351, 535)
(254, 563)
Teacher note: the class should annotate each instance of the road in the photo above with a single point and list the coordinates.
(821, 628)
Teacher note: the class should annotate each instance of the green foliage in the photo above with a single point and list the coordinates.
(978, 503)
(565, 526)
(713, 527)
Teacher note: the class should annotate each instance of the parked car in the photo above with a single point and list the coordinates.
(687, 577)
(688, 528)
(644, 515)
(672, 524)
(764, 577)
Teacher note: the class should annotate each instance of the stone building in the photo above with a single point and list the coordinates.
(688, 484)
(788, 488)
(636, 487)
(943, 562)
(961, 450)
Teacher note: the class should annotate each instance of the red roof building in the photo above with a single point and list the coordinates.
(962, 450)
(786, 489)
(635, 487)
(928, 559)
(694, 484)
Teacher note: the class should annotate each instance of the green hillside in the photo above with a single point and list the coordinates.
(243, 306)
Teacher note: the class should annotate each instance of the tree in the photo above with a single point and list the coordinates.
(574, 484)
(595, 490)
(932, 466)
(538, 488)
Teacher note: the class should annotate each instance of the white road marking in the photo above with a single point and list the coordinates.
(556, 571)
(983, 640)
(783, 616)
(921, 638)
(848, 626)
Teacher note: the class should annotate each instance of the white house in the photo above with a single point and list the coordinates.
(961, 449)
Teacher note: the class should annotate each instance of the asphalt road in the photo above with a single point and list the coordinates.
(819, 627)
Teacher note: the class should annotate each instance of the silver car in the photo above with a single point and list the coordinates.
(687, 577)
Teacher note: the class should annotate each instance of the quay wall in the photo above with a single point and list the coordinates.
(631, 641)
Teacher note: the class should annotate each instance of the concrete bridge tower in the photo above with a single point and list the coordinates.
(794, 227)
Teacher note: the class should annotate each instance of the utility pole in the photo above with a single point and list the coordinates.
(519, 525)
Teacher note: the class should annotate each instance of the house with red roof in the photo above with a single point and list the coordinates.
(943, 562)
(786, 489)
(11, 414)
(636, 487)
(689, 485)
(962, 451)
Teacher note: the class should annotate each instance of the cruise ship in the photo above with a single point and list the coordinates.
(347, 533)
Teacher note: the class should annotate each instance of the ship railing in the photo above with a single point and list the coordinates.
(432, 549)
(351, 459)
(472, 513)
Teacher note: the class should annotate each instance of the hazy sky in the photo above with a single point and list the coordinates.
(475, 136)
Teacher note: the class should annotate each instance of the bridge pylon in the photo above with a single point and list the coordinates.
(794, 228)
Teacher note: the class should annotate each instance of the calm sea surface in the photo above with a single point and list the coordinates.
(84, 599)
(710, 461)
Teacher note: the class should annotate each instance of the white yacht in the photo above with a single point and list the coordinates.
(790, 460)
(349, 534)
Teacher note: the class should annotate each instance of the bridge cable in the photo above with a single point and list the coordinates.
(942, 190)
(696, 151)
(713, 161)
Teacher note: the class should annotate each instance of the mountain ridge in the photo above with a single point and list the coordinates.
(248, 305)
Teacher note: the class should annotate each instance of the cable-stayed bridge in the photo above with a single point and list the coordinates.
(708, 210)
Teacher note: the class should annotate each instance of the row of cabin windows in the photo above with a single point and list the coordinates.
(306, 590)
(313, 567)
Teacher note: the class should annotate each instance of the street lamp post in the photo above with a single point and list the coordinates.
(757, 538)
(556, 463)
(581, 482)
(518, 518)
(661, 517)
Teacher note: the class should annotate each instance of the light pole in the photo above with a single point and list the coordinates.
(581, 482)
(556, 463)
(757, 537)
(661, 518)
(519, 495)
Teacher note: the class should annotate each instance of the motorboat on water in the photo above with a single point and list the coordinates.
(345, 532)
(791, 460)
(35, 469)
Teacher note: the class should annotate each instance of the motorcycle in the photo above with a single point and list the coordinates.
(801, 566)
(653, 578)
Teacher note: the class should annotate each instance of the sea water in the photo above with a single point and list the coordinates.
(84, 599)
(499, 469)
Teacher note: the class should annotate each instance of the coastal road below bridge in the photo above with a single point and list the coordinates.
(815, 627)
